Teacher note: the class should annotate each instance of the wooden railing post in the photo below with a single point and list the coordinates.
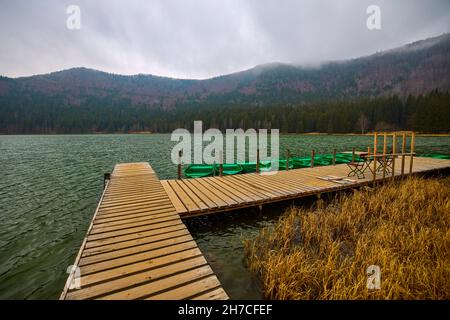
(353, 155)
(257, 160)
(375, 143)
(288, 155)
(180, 154)
(106, 177)
(221, 164)
(334, 157)
(313, 154)
(394, 151)
(384, 154)
(412, 153)
(403, 152)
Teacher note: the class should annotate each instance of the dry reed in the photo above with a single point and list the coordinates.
(323, 253)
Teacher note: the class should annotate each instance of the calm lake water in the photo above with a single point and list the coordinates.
(50, 185)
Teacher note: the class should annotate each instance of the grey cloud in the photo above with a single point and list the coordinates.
(204, 38)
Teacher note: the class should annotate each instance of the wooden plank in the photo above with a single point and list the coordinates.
(132, 236)
(118, 253)
(115, 198)
(187, 291)
(132, 204)
(218, 193)
(215, 199)
(136, 216)
(131, 223)
(236, 195)
(216, 294)
(310, 182)
(133, 188)
(165, 284)
(302, 183)
(194, 190)
(112, 234)
(184, 198)
(138, 257)
(295, 186)
(269, 190)
(129, 212)
(179, 206)
(275, 184)
(252, 188)
(126, 270)
(97, 229)
(95, 291)
(243, 187)
(199, 202)
(135, 242)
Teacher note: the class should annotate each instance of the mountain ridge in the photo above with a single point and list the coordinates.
(412, 69)
(411, 46)
(87, 100)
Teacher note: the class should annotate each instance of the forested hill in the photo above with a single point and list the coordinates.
(85, 100)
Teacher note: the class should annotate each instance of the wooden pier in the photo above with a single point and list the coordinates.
(192, 197)
(137, 246)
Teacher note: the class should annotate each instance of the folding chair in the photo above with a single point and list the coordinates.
(357, 168)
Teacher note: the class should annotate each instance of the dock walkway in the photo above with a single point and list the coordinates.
(192, 197)
(137, 247)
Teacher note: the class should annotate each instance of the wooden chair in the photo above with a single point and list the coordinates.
(358, 166)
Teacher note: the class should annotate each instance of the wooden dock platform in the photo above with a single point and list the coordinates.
(137, 247)
(193, 197)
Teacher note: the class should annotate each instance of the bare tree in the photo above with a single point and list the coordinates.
(362, 123)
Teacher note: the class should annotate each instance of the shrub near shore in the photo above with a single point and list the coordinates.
(323, 253)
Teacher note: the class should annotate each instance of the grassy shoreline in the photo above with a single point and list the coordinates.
(323, 253)
(156, 133)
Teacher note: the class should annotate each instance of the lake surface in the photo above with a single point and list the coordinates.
(50, 185)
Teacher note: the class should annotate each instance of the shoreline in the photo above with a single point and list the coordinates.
(281, 134)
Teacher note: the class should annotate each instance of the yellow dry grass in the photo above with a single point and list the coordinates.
(323, 253)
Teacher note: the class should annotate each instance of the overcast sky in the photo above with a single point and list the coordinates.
(204, 38)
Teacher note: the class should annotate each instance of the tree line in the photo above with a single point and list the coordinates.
(428, 113)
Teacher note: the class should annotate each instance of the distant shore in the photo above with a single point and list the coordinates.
(283, 133)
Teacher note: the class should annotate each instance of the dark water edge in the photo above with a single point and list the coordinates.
(50, 185)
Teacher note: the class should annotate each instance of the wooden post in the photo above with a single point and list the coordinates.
(353, 154)
(180, 154)
(375, 142)
(334, 157)
(394, 151)
(288, 154)
(313, 154)
(403, 152)
(257, 160)
(412, 152)
(384, 152)
(221, 164)
(106, 176)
